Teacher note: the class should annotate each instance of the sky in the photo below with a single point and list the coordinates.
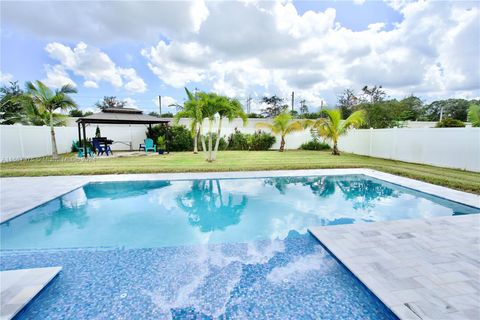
(139, 50)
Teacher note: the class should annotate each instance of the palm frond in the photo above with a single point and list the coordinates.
(474, 115)
(355, 120)
(295, 126)
(266, 125)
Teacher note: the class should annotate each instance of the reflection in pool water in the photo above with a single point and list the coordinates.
(168, 213)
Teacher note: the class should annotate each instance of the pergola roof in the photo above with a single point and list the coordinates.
(121, 116)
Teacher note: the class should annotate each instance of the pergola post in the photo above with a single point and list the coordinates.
(79, 136)
(84, 140)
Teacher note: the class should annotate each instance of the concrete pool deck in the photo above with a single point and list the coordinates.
(442, 252)
(19, 287)
(419, 268)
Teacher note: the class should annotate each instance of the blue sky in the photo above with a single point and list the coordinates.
(136, 51)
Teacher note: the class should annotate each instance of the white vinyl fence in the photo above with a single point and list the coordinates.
(444, 147)
(23, 142)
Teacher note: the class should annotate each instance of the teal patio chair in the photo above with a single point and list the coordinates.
(149, 145)
(81, 150)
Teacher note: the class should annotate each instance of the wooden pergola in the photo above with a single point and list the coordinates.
(115, 116)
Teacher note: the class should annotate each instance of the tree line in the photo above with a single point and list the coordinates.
(380, 110)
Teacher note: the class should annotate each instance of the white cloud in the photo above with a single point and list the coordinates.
(131, 103)
(5, 77)
(90, 84)
(57, 76)
(268, 47)
(94, 66)
(101, 22)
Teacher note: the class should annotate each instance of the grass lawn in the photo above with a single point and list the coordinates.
(239, 161)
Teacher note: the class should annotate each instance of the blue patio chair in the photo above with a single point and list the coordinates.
(101, 149)
(81, 150)
(149, 145)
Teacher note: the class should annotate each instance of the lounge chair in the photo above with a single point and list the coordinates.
(101, 149)
(149, 145)
(81, 150)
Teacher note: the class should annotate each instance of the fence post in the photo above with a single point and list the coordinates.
(20, 134)
(370, 141)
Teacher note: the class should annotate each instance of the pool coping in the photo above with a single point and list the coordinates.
(21, 194)
(22, 285)
(419, 268)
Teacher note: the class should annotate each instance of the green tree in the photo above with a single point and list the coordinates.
(110, 102)
(303, 107)
(373, 94)
(332, 127)
(347, 101)
(275, 106)
(192, 109)
(382, 114)
(11, 108)
(474, 114)
(48, 101)
(283, 125)
(410, 108)
(228, 109)
(450, 108)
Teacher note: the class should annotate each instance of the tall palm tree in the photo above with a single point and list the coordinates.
(229, 109)
(283, 125)
(332, 127)
(474, 115)
(192, 109)
(48, 101)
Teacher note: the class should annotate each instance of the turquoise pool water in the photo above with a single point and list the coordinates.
(149, 214)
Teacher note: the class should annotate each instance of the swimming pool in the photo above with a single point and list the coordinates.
(231, 248)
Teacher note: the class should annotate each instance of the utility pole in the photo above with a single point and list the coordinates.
(160, 104)
(293, 99)
(249, 101)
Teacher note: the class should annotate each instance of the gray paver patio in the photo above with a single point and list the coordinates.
(420, 268)
(18, 287)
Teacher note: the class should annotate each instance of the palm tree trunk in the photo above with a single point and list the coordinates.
(282, 144)
(54, 141)
(210, 128)
(335, 151)
(217, 142)
(195, 140)
(202, 139)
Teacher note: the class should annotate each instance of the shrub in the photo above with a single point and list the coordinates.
(98, 134)
(254, 142)
(178, 137)
(238, 141)
(450, 123)
(260, 141)
(161, 145)
(314, 145)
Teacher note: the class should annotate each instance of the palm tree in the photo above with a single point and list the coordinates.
(192, 109)
(474, 115)
(282, 125)
(47, 101)
(332, 127)
(229, 109)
